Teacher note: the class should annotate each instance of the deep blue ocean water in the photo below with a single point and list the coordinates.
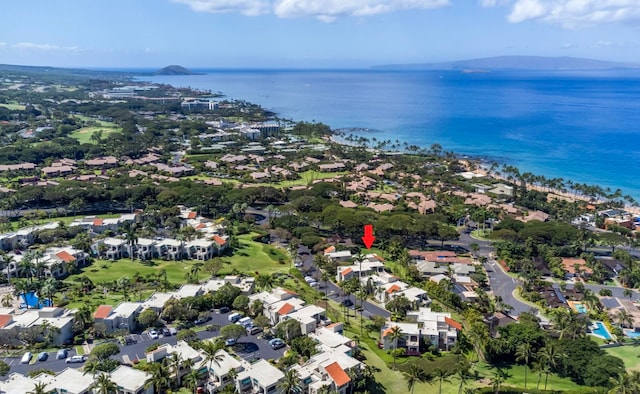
(583, 127)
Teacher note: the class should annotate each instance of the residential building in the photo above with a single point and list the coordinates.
(220, 371)
(122, 317)
(131, 381)
(259, 378)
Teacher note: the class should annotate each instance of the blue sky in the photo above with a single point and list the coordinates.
(311, 33)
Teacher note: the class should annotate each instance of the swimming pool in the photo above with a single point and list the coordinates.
(580, 308)
(33, 302)
(600, 330)
(632, 334)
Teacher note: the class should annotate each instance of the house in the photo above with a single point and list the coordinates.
(220, 372)
(359, 270)
(60, 319)
(131, 381)
(122, 317)
(438, 328)
(410, 340)
(72, 381)
(200, 249)
(259, 378)
(309, 317)
(329, 368)
(575, 267)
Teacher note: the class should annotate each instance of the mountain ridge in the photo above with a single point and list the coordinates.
(531, 63)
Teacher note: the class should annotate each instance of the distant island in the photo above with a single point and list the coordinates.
(174, 70)
(531, 63)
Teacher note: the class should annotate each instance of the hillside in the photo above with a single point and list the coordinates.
(516, 63)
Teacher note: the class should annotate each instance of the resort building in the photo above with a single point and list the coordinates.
(259, 378)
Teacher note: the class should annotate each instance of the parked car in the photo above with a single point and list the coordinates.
(154, 334)
(75, 359)
(26, 358)
(309, 279)
(298, 264)
(43, 356)
(347, 302)
(62, 354)
(202, 320)
(230, 342)
(234, 317)
(225, 309)
(276, 343)
(253, 330)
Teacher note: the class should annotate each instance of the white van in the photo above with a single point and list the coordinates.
(245, 321)
(234, 317)
(26, 358)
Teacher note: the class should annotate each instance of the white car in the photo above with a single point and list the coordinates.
(298, 264)
(309, 279)
(154, 334)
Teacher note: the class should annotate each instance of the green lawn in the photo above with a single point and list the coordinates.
(516, 378)
(16, 225)
(254, 257)
(629, 354)
(84, 134)
(306, 178)
(13, 107)
(98, 122)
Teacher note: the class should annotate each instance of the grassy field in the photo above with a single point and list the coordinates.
(629, 354)
(84, 134)
(305, 179)
(254, 257)
(96, 121)
(16, 225)
(13, 106)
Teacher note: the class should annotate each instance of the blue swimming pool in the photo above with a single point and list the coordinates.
(33, 302)
(580, 308)
(632, 334)
(599, 329)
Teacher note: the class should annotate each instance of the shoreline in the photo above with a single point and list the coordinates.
(481, 169)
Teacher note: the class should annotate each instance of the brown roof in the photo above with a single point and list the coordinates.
(453, 323)
(102, 312)
(219, 240)
(191, 215)
(338, 375)
(4, 320)
(65, 256)
(346, 271)
(285, 309)
(97, 222)
(392, 289)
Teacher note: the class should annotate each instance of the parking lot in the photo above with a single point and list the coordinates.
(248, 347)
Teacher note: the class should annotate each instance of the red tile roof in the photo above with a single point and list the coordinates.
(219, 240)
(392, 289)
(4, 320)
(346, 271)
(338, 375)
(191, 215)
(65, 256)
(201, 225)
(387, 331)
(102, 311)
(98, 222)
(285, 309)
(330, 249)
(453, 323)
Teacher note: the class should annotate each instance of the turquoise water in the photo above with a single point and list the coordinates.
(601, 330)
(585, 128)
(632, 334)
(33, 302)
(580, 308)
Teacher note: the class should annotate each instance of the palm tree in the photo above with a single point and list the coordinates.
(6, 261)
(39, 388)
(442, 376)
(124, 283)
(7, 300)
(524, 352)
(160, 377)
(104, 385)
(131, 236)
(176, 363)
(462, 373)
(415, 375)
(548, 357)
(624, 318)
(162, 274)
(20, 288)
(26, 266)
(499, 377)
(395, 335)
(623, 384)
(210, 349)
(82, 318)
(92, 366)
(192, 379)
(291, 382)
(48, 289)
(265, 282)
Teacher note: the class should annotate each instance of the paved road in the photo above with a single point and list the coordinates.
(248, 347)
(335, 292)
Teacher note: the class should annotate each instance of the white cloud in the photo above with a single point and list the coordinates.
(575, 13)
(246, 7)
(324, 10)
(2, 44)
(44, 47)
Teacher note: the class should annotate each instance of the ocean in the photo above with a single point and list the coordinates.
(576, 126)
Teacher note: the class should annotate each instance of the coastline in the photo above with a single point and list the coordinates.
(482, 170)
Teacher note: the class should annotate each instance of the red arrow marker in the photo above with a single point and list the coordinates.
(368, 236)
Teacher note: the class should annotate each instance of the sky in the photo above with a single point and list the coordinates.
(310, 33)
